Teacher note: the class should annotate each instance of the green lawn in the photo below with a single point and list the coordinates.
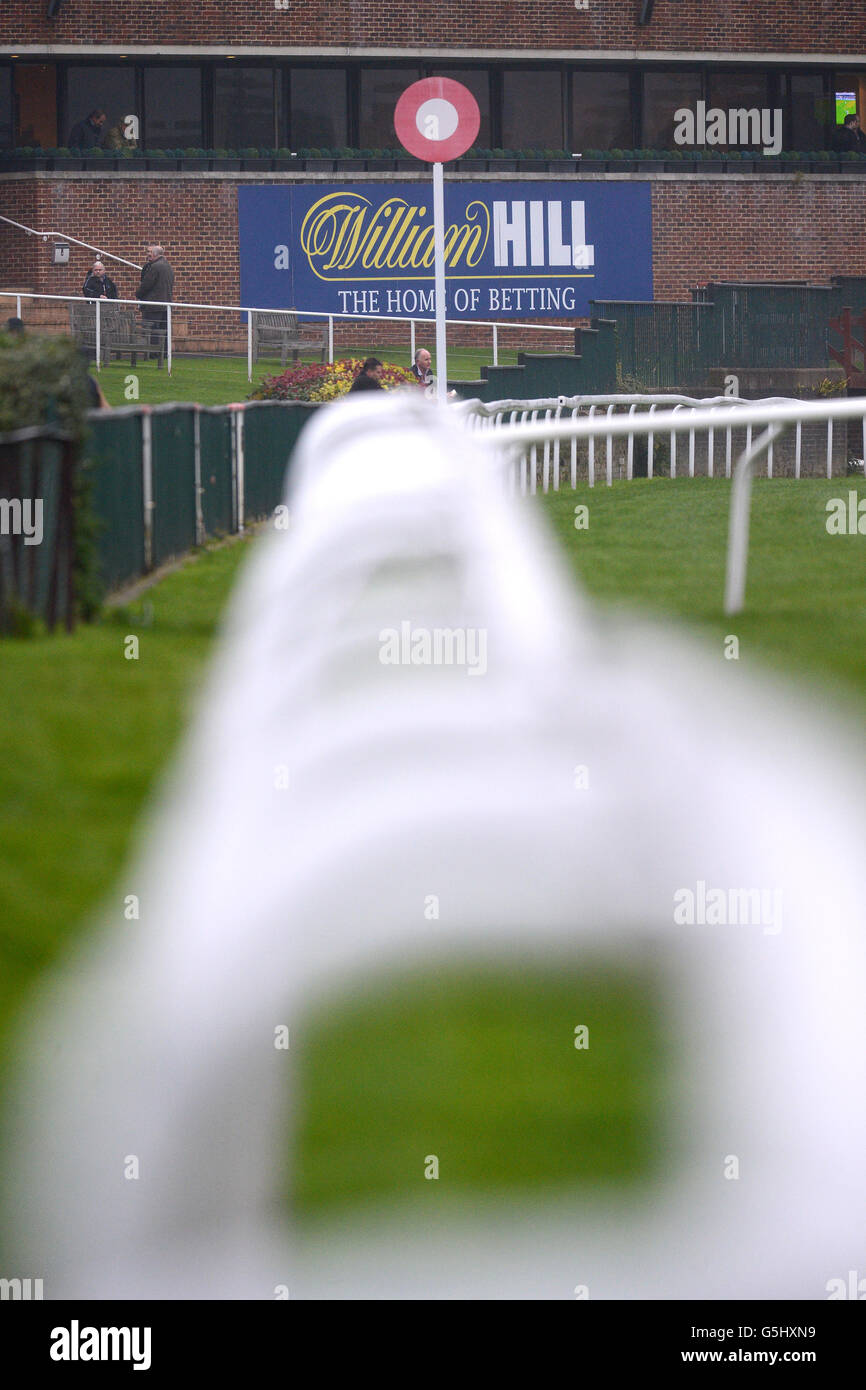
(222, 380)
(661, 545)
(480, 1070)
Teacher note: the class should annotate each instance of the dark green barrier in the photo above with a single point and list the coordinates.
(36, 491)
(173, 472)
(114, 451)
(271, 429)
(215, 442)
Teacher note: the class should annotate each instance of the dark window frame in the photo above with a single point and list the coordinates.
(630, 70)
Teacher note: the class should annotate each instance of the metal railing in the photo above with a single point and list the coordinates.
(252, 310)
(524, 427)
(62, 236)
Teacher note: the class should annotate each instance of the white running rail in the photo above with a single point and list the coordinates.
(251, 310)
(527, 426)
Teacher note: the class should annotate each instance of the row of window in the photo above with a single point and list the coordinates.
(235, 105)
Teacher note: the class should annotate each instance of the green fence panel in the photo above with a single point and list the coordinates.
(173, 473)
(663, 343)
(113, 452)
(217, 487)
(849, 292)
(34, 562)
(772, 325)
(271, 430)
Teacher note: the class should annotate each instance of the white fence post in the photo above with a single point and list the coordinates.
(330, 337)
(738, 526)
(147, 485)
(239, 455)
(199, 490)
(495, 346)
(250, 344)
(98, 336)
(168, 338)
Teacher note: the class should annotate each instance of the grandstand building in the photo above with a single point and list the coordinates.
(227, 95)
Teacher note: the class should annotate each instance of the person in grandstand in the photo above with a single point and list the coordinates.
(849, 136)
(97, 284)
(369, 377)
(87, 133)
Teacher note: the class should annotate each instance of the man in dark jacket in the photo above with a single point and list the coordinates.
(87, 133)
(849, 136)
(368, 377)
(157, 283)
(97, 285)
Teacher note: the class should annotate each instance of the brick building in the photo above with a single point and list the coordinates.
(554, 78)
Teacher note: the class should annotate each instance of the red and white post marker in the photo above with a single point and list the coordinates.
(437, 119)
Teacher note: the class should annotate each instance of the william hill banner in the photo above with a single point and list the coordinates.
(523, 250)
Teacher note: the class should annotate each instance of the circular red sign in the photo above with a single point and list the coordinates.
(437, 119)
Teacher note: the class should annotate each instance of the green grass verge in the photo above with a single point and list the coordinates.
(660, 546)
(83, 734)
(480, 1072)
(222, 380)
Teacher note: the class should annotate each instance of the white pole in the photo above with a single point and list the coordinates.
(98, 336)
(330, 337)
(168, 338)
(250, 344)
(412, 340)
(439, 257)
(495, 346)
(18, 305)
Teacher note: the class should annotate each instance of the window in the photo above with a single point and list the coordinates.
(665, 93)
(6, 139)
(532, 109)
(739, 91)
(110, 87)
(478, 83)
(318, 108)
(172, 108)
(244, 108)
(809, 114)
(601, 110)
(380, 90)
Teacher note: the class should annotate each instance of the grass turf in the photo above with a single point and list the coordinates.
(660, 546)
(479, 1071)
(222, 380)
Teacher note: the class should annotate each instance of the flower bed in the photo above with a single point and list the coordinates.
(315, 381)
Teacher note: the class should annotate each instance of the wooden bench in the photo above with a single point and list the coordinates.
(280, 331)
(121, 332)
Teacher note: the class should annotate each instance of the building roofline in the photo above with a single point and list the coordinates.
(611, 55)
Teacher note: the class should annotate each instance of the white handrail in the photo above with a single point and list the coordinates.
(249, 310)
(307, 313)
(62, 236)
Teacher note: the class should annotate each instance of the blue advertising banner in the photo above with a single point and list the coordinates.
(528, 250)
